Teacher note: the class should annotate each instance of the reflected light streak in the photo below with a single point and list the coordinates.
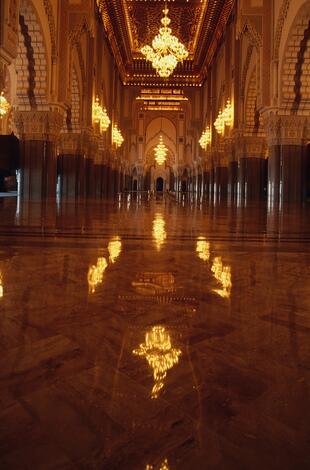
(159, 233)
(114, 249)
(223, 275)
(1, 285)
(203, 249)
(163, 466)
(95, 274)
(160, 355)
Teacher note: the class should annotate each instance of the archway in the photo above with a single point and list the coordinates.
(159, 184)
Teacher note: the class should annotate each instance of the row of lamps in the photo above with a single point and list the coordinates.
(100, 116)
(224, 118)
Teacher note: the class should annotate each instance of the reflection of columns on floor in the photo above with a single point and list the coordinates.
(250, 154)
(287, 138)
(38, 132)
(220, 174)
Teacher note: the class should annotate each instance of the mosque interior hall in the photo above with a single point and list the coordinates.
(155, 234)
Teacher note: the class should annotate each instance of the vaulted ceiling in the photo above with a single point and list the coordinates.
(131, 24)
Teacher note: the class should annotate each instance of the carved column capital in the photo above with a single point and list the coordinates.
(70, 143)
(39, 125)
(284, 129)
(250, 146)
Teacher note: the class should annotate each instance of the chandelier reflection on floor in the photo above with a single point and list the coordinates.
(160, 355)
(166, 50)
(114, 249)
(203, 249)
(1, 285)
(223, 275)
(160, 151)
(95, 274)
(159, 233)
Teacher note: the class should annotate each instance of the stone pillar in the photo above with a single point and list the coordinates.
(99, 169)
(38, 132)
(232, 168)
(220, 175)
(91, 148)
(71, 166)
(250, 153)
(287, 138)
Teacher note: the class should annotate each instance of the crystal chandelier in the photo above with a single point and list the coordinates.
(160, 151)
(166, 50)
(100, 116)
(4, 105)
(117, 137)
(205, 138)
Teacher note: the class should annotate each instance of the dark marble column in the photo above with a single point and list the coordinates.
(68, 170)
(206, 183)
(287, 175)
(287, 166)
(220, 181)
(232, 179)
(38, 131)
(38, 169)
(98, 180)
(251, 178)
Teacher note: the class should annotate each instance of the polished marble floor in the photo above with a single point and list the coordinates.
(143, 334)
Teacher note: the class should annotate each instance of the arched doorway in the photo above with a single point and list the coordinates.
(159, 184)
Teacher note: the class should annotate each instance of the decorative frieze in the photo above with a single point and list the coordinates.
(250, 146)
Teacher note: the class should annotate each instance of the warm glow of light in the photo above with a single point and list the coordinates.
(160, 151)
(95, 274)
(203, 249)
(224, 118)
(164, 466)
(104, 121)
(100, 116)
(1, 285)
(117, 137)
(166, 50)
(4, 105)
(160, 355)
(228, 114)
(159, 232)
(205, 138)
(223, 275)
(114, 249)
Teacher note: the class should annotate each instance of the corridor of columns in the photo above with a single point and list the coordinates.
(154, 234)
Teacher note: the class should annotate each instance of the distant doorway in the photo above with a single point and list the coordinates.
(159, 184)
(135, 185)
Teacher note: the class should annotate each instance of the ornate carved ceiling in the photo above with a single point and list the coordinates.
(131, 24)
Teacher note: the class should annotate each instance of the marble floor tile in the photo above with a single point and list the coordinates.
(154, 333)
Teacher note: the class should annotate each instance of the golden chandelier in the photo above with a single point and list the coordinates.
(160, 151)
(4, 105)
(117, 137)
(166, 50)
(100, 116)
